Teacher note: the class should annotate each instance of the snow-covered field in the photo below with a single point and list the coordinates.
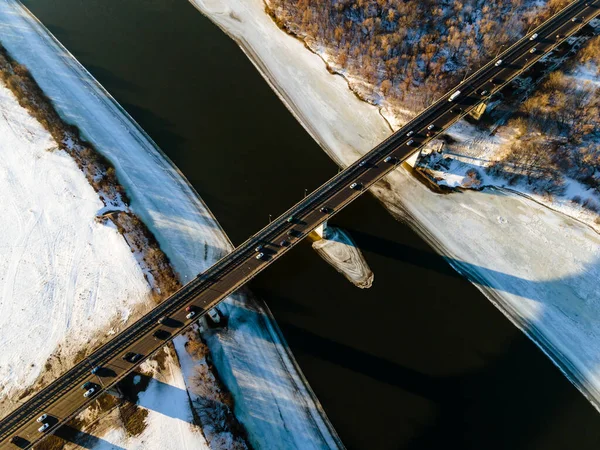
(64, 278)
(169, 423)
(539, 266)
(476, 149)
(273, 400)
(272, 397)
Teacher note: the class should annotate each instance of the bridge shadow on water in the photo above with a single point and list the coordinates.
(510, 386)
(481, 276)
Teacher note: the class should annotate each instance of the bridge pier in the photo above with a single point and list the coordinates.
(115, 392)
(478, 111)
(322, 230)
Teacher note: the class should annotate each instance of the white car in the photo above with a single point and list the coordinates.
(190, 315)
(260, 256)
(410, 142)
(498, 63)
(533, 37)
(430, 127)
(410, 133)
(42, 418)
(44, 427)
(89, 392)
(355, 186)
(453, 96)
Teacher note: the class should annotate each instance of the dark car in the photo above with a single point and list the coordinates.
(284, 243)
(132, 357)
(190, 308)
(87, 385)
(326, 210)
(161, 335)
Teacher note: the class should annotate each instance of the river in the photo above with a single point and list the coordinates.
(419, 361)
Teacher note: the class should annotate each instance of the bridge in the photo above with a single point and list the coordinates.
(63, 399)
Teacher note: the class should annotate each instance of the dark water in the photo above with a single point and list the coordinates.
(421, 360)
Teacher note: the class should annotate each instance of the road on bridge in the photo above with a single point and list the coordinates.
(63, 398)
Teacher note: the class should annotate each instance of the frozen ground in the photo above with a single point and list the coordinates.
(169, 423)
(340, 251)
(272, 397)
(63, 276)
(270, 392)
(538, 266)
(477, 149)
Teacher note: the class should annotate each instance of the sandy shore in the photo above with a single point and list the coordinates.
(538, 266)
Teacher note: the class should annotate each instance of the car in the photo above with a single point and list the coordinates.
(533, 37)
(533, 50)
(355, 185)
(132, 357)
(362, 163)
(95, 370)
(410, 133)
(259, 247)
(190, 315)
(42, 418)
(326, 210)
(430, 127)
(87, 385)
(15, 440)
(484, 92)
(284, 243)
(162, 320)
(44, 427)
(89, 392)
(410, 142)
(389, 159)
(497, 63)
(161, 335)
(260, 256)
(559, 36)
(575, 19)
(189, 308)
(290, 219)
(454, 96)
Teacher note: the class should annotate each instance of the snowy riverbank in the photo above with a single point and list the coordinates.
(538, 266)
(269, 402)
(64, 275)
